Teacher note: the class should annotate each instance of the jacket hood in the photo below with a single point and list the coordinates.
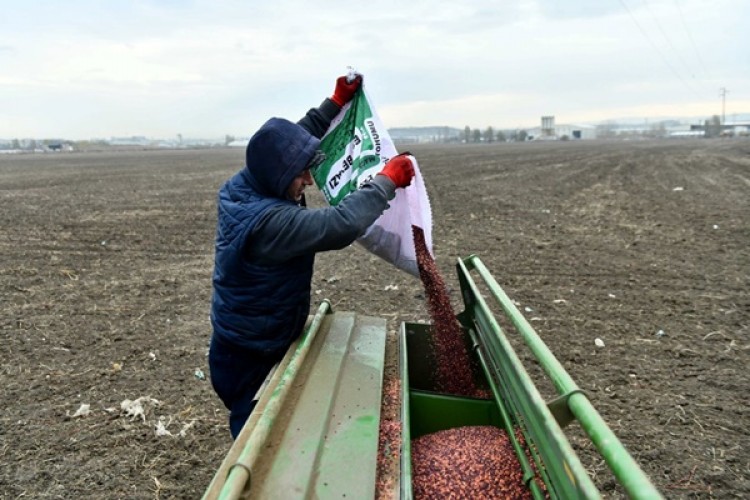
(277, 153)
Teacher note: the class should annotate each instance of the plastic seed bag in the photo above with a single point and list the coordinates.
(357, 147)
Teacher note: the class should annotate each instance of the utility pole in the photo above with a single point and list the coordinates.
(723, 93)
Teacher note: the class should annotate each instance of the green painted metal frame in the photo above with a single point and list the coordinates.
(232, 480)
(519, 399)
(429, 410)
(318, 418)
(424, 410)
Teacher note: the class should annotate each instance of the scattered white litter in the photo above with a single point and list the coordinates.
(186, 427)
(161, 428)
(527, 309)
(134, 409)
(732, 344)
(82, 411)
(199, 374)
(716, 226)
(660, 333)
(611, 296)
(678, 188)
(599, 342)
(560, 301)
(152, 356)
(391, 287)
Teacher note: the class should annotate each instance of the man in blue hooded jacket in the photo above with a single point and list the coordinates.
(266, 241)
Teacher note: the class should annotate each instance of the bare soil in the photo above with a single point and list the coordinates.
(105, 267)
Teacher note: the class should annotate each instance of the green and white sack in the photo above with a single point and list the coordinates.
(357, 147)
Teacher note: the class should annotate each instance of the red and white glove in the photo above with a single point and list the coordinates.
(345, 90)
(399, 169)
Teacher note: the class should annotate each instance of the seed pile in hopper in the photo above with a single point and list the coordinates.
(389, 441)
(466, 462)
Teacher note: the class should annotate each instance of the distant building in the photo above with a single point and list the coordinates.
(551, 131)
(548, 128)
(735, 129)
(686, 134)
(135, 140)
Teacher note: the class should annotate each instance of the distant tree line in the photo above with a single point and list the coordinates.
(490, 135)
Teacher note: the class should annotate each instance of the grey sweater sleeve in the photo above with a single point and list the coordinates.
(317, 120)
(286, 232)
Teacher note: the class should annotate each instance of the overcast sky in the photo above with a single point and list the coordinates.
(205, 68)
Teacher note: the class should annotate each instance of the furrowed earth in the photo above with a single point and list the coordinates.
(105, 276)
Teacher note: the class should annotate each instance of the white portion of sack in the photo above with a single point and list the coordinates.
(357, 147)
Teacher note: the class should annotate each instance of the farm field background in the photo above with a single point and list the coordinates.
(105, 275)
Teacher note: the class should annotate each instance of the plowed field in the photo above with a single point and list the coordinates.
(105, 266)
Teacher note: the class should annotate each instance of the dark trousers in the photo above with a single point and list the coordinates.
(236, 376)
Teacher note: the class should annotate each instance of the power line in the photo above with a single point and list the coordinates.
(690, 37)
(668, 40)
(658, 51)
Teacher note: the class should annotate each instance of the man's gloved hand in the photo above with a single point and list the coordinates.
(399, 169)
(345, 90)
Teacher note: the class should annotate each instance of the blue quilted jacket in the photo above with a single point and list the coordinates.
(261, 307)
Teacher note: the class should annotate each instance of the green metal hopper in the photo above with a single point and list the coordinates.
(516, 402)
(314, 433)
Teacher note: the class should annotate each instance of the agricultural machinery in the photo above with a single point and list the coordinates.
(315, 430)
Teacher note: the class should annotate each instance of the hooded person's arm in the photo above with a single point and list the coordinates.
(317, 120)
(288, 231)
